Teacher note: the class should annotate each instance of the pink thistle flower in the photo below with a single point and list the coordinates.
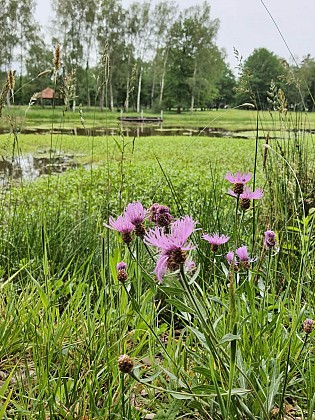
(242, 253)
(122, 225)
(215, 240)
(246, 196)
(121, 266)
(136, 214)
(190, 265)
(239, 180)
(122, 275)
(172, 246)
(308, 325)
(231, 259)
(270, 239)
(230, 256)
(160, 215)
(243, 256)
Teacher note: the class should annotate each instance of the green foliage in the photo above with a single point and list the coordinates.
(259, 70)
(218, 342)
(194, 64)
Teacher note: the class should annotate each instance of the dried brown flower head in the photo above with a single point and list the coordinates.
(308, 325)
(125, 363)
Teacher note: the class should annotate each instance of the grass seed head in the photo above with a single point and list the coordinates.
(11, 80)
(57, 58)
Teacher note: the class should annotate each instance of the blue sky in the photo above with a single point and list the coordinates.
(246, 25)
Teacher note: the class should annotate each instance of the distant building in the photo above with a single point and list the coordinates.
(48, 96)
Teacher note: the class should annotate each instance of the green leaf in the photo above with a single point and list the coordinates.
(43, 297)
(177, 291)
(2, 392)
(150, 378)
(204, 372)
(229, 337)
(180, 396)
(180, 306)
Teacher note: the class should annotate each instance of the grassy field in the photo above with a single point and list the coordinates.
(229, 119)
(223, 341)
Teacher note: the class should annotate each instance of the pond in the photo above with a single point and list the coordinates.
(30, 167)
(141, 130)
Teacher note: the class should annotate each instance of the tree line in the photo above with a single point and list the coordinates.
(139, 57)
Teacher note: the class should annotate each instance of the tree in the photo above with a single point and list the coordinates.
(139, 30)
(111, 40)
(195, 63)
(8, 33)
(37, 63)
(25, 26)
(259, 70)
(17, 30)
(162, 19)
(75, 22)
(306, 76)
(226, 88)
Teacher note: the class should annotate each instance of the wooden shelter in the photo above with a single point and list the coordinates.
(48, 96)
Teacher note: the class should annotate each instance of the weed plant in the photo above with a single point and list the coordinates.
(89, 331)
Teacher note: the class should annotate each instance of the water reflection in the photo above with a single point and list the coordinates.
(139, 130)
(30, 167)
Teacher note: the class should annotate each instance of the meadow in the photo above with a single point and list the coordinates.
(89, 332)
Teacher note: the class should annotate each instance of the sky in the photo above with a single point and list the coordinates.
(246, 25)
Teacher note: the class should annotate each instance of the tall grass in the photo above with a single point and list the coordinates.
(220, 342)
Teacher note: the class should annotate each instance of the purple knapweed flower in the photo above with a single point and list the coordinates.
(308, 325)
(215, 240)
(172, 245)
(122, 225)
(160, 215)
(270, 241)
(243, 256)
(246, 196)
(121, 266)
(239, 180)
(122, 275)
(136, 214)
(190, 265)
(230, 256)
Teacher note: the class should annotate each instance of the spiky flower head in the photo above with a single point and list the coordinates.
(270, 241)
(215, 240)
(3, 96)
(246, 196)
(243, 256)
(308, 325)
(122, 275)
(125, 363)
(122, 225)
(239, 180)
(121, 266)
(190, 265)
(136, 214)
(231, 259)
(172, 245)
(160, 215)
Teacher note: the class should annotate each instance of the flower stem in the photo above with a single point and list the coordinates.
(123, 402)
